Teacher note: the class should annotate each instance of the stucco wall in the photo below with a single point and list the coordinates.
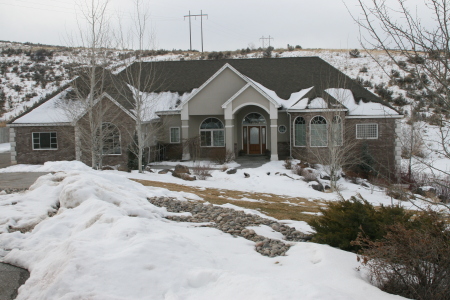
(209, 100)
(250, 96)
(24, 145)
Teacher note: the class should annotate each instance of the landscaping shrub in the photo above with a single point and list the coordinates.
(411, 261)
(221, 156)
(354, 53)
(288, 163)
(342, 221)
(201, 171)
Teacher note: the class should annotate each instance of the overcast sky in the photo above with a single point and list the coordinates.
(230, 25)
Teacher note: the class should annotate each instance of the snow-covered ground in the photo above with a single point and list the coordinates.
(5, 147)
(259, 181)
(104, 240)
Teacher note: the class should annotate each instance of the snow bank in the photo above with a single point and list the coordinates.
(50, 166)
(108, 242)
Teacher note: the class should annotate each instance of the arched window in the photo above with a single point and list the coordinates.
(336, 131)
(299, 131)
(212, 133)
(319, 136)
(254, 119)
(111, 139)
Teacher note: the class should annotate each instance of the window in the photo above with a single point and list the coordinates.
(45, 141)
(111, 139)
(300, 132)
(282, 129)
(254, 119)
(319, 136)
(336, 131)
(212, 133)
(367, 131)
(174, 135)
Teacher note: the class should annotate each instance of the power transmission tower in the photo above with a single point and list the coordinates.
(201, 15)
(264, 38)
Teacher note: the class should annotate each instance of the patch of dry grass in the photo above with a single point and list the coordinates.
(277, 206)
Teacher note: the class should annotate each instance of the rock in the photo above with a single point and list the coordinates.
(231, 171)
(108, 168)
(184, 176)
(148, 169)
(181, 169)
(232, 222)
(325, 177)
(268, 173)
(164, 171)
(246, 175)
(317, 186)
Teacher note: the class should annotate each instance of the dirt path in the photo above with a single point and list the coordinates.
(277, 206)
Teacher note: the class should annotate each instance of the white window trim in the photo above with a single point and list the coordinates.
(212, 135)
(366, 138)
(179, 135)
(310, 132)
(294, 131)
(45, 149)
(285, 129)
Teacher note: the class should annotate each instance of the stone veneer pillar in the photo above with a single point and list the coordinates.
(12, 141)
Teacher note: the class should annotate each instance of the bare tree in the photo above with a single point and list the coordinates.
(144, 81)
(85, 105)
(420, 37)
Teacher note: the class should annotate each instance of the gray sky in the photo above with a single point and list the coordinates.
(231, 24)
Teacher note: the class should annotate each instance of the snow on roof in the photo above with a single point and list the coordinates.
(164, 101)
(294, 98)
(318, 103)
(359, 108)
(49, 112)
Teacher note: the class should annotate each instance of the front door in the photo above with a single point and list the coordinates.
(254, 139)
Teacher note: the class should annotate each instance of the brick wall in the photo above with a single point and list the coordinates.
(24, 145)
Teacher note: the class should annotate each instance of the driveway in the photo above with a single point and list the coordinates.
(11, 278)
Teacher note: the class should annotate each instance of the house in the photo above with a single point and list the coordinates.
(281, 107)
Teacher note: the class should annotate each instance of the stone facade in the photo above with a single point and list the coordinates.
(126, 126)
(22, 140)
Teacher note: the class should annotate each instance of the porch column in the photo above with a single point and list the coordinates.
(273, 139)
(184, 136)
(185, 131)
(229, 144)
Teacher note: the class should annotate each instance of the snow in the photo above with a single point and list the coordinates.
(360, 108)
(49, 112)
(107, 241)
(5, 147)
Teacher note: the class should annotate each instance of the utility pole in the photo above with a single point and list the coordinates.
(264, 38)
(201, 15)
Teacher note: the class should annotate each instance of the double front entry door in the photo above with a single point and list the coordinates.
(254, 139)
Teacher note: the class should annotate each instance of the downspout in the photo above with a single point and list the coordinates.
(290, 134)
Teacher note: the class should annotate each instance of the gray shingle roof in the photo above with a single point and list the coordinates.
(282, 75)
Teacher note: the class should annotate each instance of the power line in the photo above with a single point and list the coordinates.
(264, 38)
(201, 15)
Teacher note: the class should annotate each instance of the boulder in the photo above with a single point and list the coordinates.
(246, 175)
(317, 186)
(231, 171)
(164, 171)
(181, 169)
